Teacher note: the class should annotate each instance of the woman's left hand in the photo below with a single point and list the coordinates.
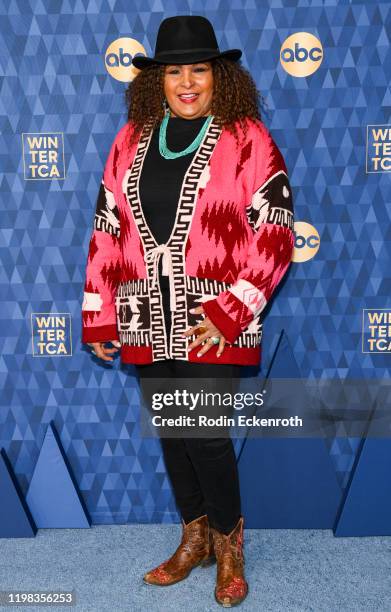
(211, 330)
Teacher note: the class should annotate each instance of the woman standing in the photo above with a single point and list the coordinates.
(193, 182)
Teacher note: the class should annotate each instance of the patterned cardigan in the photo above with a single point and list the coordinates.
(231, 244)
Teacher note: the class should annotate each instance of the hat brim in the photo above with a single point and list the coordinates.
(141, 61)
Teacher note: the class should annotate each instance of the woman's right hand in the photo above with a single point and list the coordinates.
(99, 349)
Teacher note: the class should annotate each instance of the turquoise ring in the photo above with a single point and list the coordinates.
(215, 339)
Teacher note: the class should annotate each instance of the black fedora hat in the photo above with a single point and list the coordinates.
(185, 39)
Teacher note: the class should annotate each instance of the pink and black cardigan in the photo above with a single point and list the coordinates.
(230, 246)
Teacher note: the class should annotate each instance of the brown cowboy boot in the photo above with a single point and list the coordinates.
(231, 587)
(196, 548)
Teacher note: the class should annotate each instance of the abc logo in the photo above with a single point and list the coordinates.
(307, 242)
(118, 58)
(301, 54)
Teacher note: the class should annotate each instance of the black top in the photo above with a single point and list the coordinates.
(160, 186)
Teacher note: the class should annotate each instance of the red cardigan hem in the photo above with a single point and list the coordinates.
(103, 333)
(230, 355)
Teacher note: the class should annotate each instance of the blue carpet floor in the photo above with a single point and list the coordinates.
(287, 570)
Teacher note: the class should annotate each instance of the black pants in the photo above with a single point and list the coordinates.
(203, 471)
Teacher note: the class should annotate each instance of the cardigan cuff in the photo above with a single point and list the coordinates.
(227, 326)
(102, 333)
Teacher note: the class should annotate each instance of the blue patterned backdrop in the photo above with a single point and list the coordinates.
(54, 80)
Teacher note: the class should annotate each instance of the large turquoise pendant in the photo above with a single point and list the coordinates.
(165, 151)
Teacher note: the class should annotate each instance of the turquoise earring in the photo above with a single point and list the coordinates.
(166, 108)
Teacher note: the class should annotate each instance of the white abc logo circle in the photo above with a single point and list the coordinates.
(301, 54)
(118, 58)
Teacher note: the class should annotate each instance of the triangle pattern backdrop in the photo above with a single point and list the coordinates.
(53, 497)
(366, 506)
(56, 81)
(15, 518)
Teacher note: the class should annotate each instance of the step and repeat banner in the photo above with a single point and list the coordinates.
(72, 450)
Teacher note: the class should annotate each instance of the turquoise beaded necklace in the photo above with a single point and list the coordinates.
(165, 151)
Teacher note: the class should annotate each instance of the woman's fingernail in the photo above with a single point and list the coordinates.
(199, 354)
(192, 310)
(116, 343)
(218, 354)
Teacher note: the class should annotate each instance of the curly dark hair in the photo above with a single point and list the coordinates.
(235, 100)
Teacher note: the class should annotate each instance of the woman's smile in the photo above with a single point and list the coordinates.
(188, 98)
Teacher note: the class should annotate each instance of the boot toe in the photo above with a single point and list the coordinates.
(233, 593)
(157, 576)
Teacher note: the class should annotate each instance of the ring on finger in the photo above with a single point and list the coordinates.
(214, 340)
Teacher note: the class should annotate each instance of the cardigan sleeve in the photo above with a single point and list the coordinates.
(270, 216)
(104, 260)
